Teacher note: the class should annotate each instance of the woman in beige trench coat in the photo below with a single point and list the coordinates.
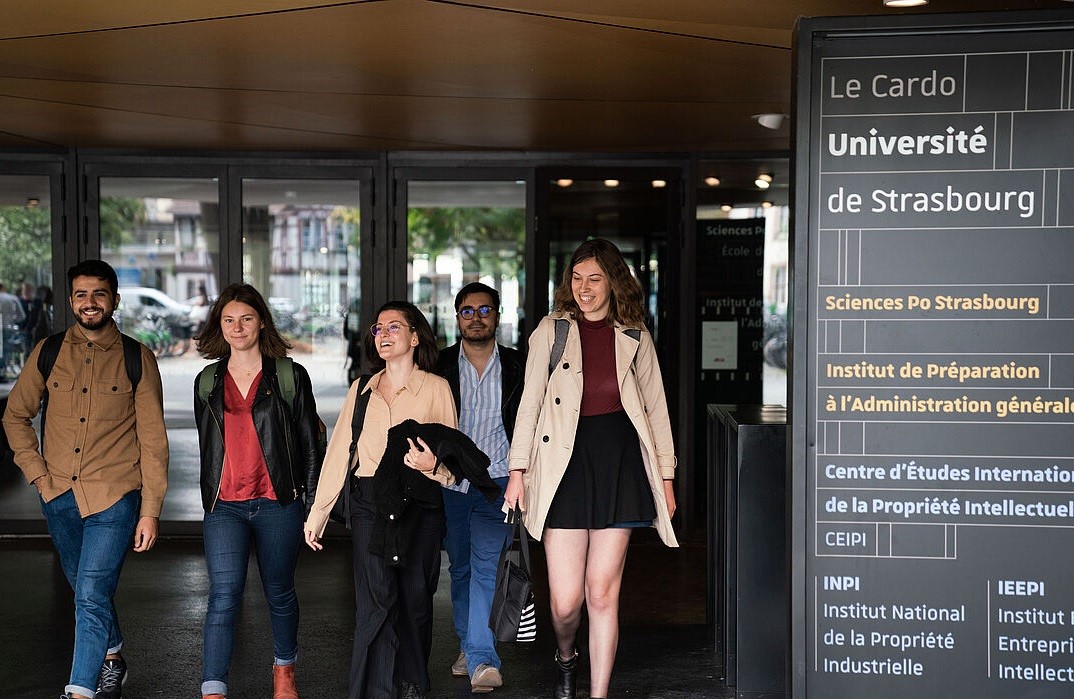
(593, 454)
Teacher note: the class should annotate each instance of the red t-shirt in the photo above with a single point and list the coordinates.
(245, 475)
(600, 385)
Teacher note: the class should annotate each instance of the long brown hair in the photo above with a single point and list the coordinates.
(211, 342)
(625, 303)
(425, 354)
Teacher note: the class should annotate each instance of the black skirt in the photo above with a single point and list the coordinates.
(605, 483)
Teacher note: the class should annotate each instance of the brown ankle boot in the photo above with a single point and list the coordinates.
(283, 682)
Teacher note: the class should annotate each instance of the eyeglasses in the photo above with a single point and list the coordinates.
(467, 312)
(390, 328)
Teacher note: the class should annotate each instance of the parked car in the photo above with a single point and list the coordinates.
(155, 319)
(137, 300)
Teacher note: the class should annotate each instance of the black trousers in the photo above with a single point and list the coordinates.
(393, 626)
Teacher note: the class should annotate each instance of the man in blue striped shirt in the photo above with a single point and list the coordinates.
(486, 379)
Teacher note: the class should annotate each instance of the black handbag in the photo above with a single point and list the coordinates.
(513, 616)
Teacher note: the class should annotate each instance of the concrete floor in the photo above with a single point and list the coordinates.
(665, 650)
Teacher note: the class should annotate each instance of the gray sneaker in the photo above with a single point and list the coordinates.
(486, 678)
(110, 682)
(458, 668)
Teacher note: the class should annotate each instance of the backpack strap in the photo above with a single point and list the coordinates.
(50, 349)
(46, 359)
(285, 376)
(562, 327)
(206, 379)
(132, 360)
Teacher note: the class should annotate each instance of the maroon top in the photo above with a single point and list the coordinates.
(600, 386)
(245, 475)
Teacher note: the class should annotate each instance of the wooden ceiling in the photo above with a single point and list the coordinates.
(372, 75)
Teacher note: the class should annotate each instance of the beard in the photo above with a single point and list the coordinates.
(101, 321)
(477, 333)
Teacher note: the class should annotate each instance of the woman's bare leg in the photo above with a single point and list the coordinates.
(603, 580)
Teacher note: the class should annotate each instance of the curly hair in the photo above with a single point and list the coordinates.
(211, 342)
(426, 353)
(625, 300)
(98, 269)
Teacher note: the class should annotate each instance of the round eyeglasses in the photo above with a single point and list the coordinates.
(390, 328)
(467, 312)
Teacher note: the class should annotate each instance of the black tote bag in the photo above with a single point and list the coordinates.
(514, 616)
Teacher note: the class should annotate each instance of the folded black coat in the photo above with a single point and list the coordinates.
(398, 489)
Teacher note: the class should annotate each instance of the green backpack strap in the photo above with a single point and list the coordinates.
(285, 375)
(206, 379)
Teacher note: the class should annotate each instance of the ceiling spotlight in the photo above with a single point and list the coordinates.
(564, 182)
(658, 184)
(771, 120)
(766, 205)
(32, 202)
(905, 3)
(712, 181)
(725, 207)
(763, 181)
(611, 183)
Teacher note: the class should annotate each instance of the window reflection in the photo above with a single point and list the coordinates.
(26, 295)
(460, 232)
(300, 248)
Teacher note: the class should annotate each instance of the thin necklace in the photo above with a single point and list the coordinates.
(248, 372)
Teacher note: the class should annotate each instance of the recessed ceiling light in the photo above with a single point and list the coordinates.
(763, 181)
(611, 183)
(726, 207)
(712, 181)
(766, 205)
(771, 120)
(905, 3)
(657, 184)
(564, 182)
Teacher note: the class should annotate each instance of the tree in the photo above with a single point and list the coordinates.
(26, 239)
(481, 234)
(119, 216)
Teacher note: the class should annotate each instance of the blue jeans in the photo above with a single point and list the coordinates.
(92, 550)
(276, 534)
(475, 536)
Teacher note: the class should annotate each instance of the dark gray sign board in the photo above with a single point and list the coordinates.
(932, 450)
(730, 265)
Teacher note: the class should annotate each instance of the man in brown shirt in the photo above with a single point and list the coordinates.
(102, 471)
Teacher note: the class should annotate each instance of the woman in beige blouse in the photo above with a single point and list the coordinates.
(393, 629)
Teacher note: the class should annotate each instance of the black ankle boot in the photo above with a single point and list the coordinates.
(565, 686)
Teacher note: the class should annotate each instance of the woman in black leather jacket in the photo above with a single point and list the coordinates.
(259, 468)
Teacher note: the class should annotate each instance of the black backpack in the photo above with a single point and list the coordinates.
(50, 350)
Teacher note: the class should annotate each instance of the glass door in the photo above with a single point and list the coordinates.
(32, 299)
(638, 209)
(635, 208)
(301, 248)
(162, 234)
(464, 230)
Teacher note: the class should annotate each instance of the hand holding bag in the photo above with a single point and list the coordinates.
(514, 616)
